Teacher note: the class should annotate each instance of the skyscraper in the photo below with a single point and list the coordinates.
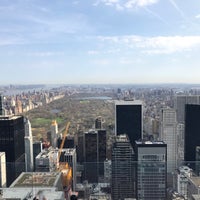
(95, 154)
(54, 133)
(128, 119)
(122, 185)
(169, 136)
(192, 133)
(181, 101)
(151, 170)
(28, 145)
(1, 105)
(12, 133)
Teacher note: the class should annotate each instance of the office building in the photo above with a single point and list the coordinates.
(151, 170)
(37, 148)
(98, 123)
(54, 133)
(169, 136)
(28, 145)
(69, 156)
(129, 119)
(2, 169)
(192, 133)
(12, 133)
(95, 154)
(181, 101)
(68, 143)
(1, 105)
(122, 181)
(36, 185)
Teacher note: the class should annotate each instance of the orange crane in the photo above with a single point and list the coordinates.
(64, 167)
(63, 141)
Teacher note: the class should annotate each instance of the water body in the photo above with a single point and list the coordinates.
(94, 98)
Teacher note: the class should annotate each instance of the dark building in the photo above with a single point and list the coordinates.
(98, 123)
(122, 185)
(128, 119)
(1, 105)
(95, 154)
(80, 148)
(12, 133)
(101, 150)
(69, 142)
(151, 170)
(192, 133)
(37, 148)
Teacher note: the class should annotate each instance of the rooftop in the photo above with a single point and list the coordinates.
(149, 142)
(36, 179)
(121, 102)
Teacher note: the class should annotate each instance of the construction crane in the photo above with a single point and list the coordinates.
(63, 141)
(64, 166)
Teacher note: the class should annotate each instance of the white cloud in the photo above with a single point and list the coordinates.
(128, 4)
(197, 16)
(154, 45)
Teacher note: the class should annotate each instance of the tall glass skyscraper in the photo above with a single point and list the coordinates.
(12, 133)
(128, 119)
(192, 133)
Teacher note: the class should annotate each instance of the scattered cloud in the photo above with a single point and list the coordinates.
(127, 4)
(154, 45)
(180, 11)
(197, 16)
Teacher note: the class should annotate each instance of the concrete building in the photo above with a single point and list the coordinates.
(12, 133)
(69, 156)
(35, 186)
(151, 181)
(46, 161)
(2, 169)
(169, 136)
(129, 119)
(28, 146)
(122, 181)
(183, 173)
(54, 133)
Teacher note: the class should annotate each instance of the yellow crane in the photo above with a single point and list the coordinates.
(64, 167)
(63, 141)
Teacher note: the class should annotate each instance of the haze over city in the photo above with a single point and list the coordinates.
(99, 41)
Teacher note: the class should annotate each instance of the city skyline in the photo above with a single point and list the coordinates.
(99, 41)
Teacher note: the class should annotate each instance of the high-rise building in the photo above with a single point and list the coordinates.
(12, 133)
(2, 169)
(181, 101)
(129, 119)
(54, 133)
(1, 105)
(95, 154)
(122, 178)
(98, 123)
(151, 181)
(28, 146)
(169, 136)
(69, 156)
(37, 148)
(192, 133)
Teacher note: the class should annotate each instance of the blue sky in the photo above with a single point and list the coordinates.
(99, 41)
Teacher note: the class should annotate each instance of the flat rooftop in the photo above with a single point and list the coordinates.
(9, 117)
(149, 142)
(36, 179)
(132, 102)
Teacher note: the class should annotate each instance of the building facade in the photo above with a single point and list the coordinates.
(129, 119)
(122, 178)
(12, 133)
(151, 181)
